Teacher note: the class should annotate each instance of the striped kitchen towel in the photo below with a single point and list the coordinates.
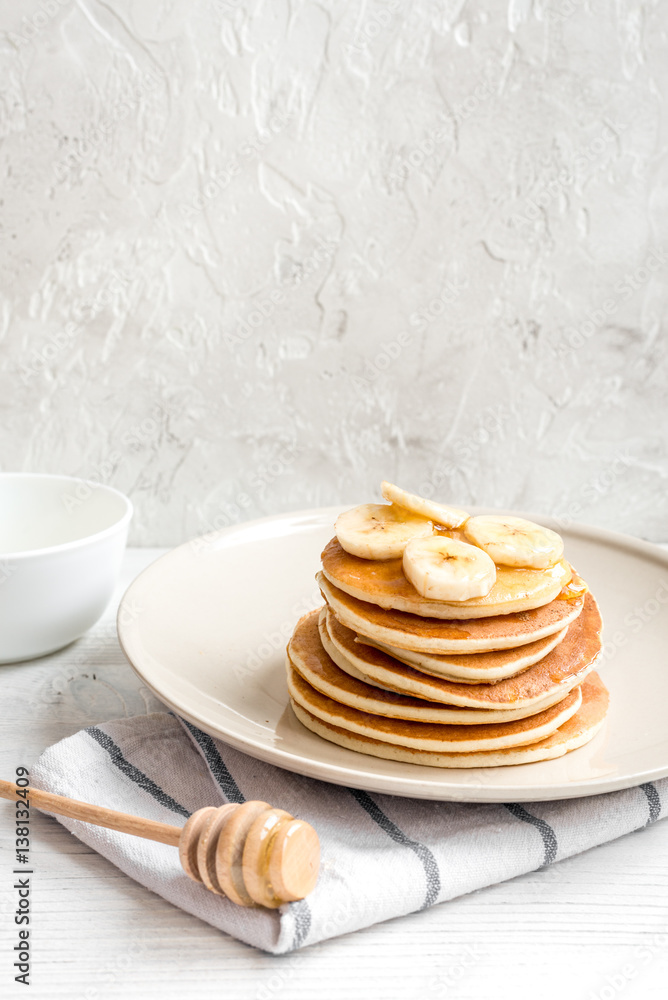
(382, 856)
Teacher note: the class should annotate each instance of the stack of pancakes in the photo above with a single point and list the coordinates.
(502, 679)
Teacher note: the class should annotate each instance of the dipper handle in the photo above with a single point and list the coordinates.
(149, 829)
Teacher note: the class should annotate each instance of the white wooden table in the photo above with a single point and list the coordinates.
(594, 926)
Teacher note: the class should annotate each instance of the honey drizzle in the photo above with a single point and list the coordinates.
(572, 590)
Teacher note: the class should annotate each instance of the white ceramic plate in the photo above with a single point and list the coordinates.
(205, 627)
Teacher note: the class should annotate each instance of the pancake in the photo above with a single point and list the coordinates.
(431, 635)
(418, 685)
(308, 655)
(431, 736)
(577, 731)
(474, 668)
(560, 671)
(382, 582)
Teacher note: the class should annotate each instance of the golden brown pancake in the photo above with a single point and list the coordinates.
(433, 635)
(561, 670)
(431, 736)
(382, 582)
(420, 687)
(574, 733)
(474, 668)
(313, 662)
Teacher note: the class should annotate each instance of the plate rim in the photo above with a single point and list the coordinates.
(407, 787)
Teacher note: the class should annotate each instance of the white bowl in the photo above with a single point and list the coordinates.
(61, 545)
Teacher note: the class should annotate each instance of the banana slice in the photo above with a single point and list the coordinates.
(379, 530)
(445, 569)
(449, 517)
(512, 541)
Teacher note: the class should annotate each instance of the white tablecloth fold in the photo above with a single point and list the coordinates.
(382, 856)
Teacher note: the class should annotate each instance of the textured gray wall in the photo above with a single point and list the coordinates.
(257, 256)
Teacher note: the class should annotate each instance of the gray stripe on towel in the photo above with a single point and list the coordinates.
(428, 860)
(545, 830)
(134, 773)
(217, 765)
(653, 801)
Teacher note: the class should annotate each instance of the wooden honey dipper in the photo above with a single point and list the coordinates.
(252, 853)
